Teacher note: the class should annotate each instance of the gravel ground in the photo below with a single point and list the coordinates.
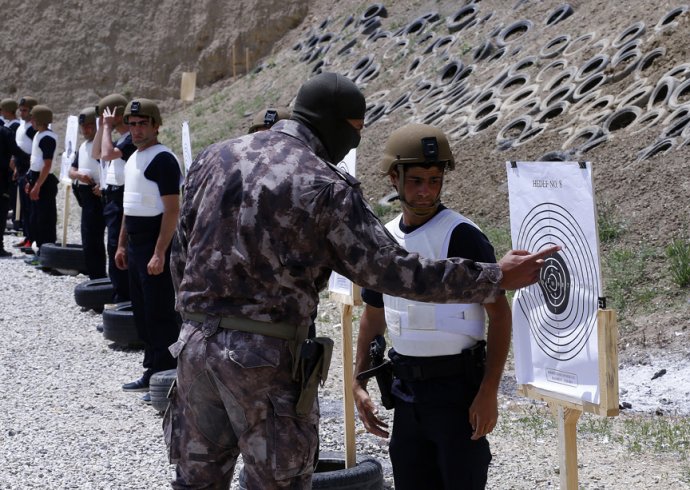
(65, 423)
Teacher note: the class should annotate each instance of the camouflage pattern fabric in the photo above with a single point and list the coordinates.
(235, 393)
(263, 223)
(265, 220)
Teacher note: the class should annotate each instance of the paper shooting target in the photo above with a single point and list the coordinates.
(561, 308)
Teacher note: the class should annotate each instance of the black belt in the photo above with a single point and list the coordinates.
(114, 189)
(420, 369)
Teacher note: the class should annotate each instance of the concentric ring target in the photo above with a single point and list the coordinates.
(561, 309)
(554, 281)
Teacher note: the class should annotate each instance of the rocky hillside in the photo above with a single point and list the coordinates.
(70, 53)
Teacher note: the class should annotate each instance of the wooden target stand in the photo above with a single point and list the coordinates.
(568, 410)
(347, 304)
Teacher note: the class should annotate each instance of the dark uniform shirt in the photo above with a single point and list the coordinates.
(265, 220)
(8, 149)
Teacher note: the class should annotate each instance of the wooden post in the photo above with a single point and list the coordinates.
(65, 215)
(348, 399)
(607, 331)
(567, 446)
(568, 409)
(246, 61)
(234, 70)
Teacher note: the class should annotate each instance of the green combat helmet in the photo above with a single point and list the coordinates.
(416, 144)
(112, 101)
(42, 114)
(9, 105)
(87, 116)
(28, 101)
(267, 118)
(143, 108)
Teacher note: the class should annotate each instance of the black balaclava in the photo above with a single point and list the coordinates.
(323, 104)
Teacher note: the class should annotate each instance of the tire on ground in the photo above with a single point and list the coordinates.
(55, 256)
(119, 327)
(159, 386)
(94, 294)
(331, 473)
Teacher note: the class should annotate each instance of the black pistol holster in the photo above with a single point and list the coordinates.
(382, 369)
(312, 369)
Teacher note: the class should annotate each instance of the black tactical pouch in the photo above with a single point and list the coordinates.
(312, 368)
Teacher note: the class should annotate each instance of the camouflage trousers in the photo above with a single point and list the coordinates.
(235, 394)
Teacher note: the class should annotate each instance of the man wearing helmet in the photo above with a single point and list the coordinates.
(24, 138)
(86, 170)
(151, 207)
(42, 185)
(113, 156)
(443, 408)
(264, 120)
(265, 219)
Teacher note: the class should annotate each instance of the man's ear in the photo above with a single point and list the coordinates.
(394, 177)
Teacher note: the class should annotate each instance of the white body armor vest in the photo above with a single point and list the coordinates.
(87, 164)
(115, 169)
(142, 197)
(115, 173)
(23, 141)
(430, 329)
(36, 153)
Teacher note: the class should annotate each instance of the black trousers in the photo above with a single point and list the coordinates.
(430, 445)
(153, 304)
(4, 208)
(43, 212)
(25, 206)
(92, 231)
(112, 214)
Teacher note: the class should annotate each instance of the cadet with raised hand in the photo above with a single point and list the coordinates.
(113, 156)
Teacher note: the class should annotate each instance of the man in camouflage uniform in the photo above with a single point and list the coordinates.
(265, 219)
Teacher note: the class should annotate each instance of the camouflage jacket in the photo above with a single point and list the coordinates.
(265, 219)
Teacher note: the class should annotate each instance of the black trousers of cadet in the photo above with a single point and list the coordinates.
(24, 203)
(153, 304)
(430, 446)
(4, 208)
(92, 231)
(43, 212)
(12, 192)
(112, 213)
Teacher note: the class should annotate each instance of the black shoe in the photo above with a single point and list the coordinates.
(146, 398)
(4, 254)
(141, 384)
